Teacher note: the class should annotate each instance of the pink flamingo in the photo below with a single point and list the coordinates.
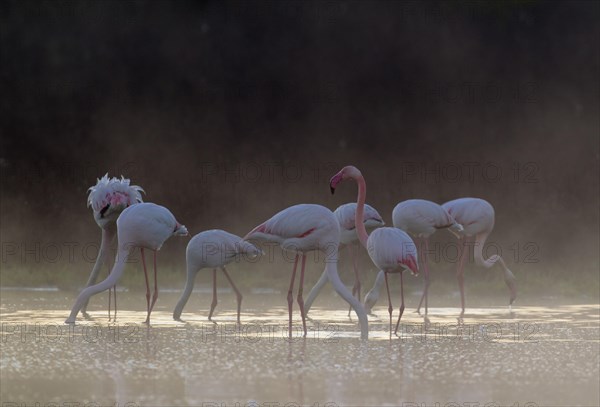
(391, 249)
(108, 198)
(477, 218)
(144, 225)
(302, 228)
(421, 219)
(345, 215)
(213, 249)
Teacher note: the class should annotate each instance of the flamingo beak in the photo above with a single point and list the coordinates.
(335, 180)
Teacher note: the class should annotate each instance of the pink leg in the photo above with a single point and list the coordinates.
(356, 287)
(110, 290)
(460, 272)
(423, 250)
(299, 297)
(115, 290)
(147, 284)
(290, 297)
(214, 300)
(109, 300)
(390, 309)
(401, 305)
(155, 294)
(237, 293)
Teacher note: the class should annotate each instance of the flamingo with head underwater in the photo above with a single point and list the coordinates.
(477, 217)
(420, 219)
(108, 198)
(391, 249)
(144, 225)
(345, 215)
(302, 228)
(213, 249)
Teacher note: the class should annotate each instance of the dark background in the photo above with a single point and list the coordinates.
(226, 112)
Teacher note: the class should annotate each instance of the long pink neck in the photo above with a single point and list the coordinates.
(360, 210)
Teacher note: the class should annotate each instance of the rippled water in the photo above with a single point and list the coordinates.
(548, 356)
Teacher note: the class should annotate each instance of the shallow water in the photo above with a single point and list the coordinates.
(547, 356)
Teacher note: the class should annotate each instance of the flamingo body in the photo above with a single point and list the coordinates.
(145, 225)
(345, 215)
(213, 249)
(302, 228)
(422, 218)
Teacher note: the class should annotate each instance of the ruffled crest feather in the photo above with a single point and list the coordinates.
(101, 194)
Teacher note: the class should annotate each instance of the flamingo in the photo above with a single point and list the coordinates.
(391, 249)
(420, 219)
(213, 249)
(108, 198)
(477, 217)
(300, 229)
(345, 215)
(144, 225)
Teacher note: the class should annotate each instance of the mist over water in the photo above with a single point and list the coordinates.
(228, 112)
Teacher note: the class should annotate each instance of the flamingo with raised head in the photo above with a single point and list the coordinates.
(477, 217)
(302, 228)
(391, 249)
(144, 225)
(213, 249)
(108, 198)
(420, 219)
(345, 215)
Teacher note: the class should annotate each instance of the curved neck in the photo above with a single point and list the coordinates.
(340, 288)
(107, 236)
(363, 236)
(110, 281)
(509, 277)
(187, 291)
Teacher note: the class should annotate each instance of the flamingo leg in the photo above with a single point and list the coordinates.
(147, 283)
(401, 305)
(213, 304)
(390, 309)
(109, 300)
(423, 255)
(299, 296)
(237, 293)
(356, 287)
(115, 290)
(110, 290)
(290, 297)
(460, 274)
(155, 294)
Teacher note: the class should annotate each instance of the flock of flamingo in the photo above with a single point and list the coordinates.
(119, 210)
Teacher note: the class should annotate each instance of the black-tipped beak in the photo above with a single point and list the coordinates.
(103, 211)
(332, 190)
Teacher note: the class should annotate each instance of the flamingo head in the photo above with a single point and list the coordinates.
(345, 173)
(370, 300)
(457, 230)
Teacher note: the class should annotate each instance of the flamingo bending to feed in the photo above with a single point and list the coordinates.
(391, 249)
(108, 198)
(302, 228)
(477, 217)
(420, 219)
(144, 225)
(213, 249)
(345, 215)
